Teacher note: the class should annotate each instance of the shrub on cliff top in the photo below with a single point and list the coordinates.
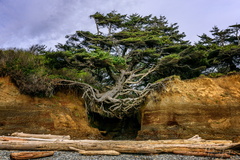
(26, 70)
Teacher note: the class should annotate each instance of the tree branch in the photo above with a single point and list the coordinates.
(141, 75)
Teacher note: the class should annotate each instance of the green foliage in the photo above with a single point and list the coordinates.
(19, 60)
(67, 73)
(123, 42)
(118, 62)
(56, 60)
(103, 59)
(144, 41)
(27, 71)
(175, 48)
(214, 75)
(222, 37)
(172, 56)
(224, 59)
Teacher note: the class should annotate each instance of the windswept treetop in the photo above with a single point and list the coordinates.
(222, 37)
(121, 34)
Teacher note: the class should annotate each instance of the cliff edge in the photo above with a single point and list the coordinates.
(63, 114)
(208, 107)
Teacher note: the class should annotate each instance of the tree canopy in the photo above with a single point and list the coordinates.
(222, 49)
(123, 56)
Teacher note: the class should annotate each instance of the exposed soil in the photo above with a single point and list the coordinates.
(64, 113)
(209, 107)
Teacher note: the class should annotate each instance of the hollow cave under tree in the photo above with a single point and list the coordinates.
(122, 61)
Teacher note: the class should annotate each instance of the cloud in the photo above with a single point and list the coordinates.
(28, 22)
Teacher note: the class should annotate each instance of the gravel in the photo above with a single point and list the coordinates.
(60, 155)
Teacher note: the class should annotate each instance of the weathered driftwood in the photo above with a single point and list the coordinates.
(120, 146)
(203, 154)
(193, 146)
(30, 155)
(4, 138)
(96, 152)
(43, 136)
(11, 138)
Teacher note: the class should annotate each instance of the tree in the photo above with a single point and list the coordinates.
(221, 37)
(236, 31)
(225, 59)
(37, 49)
(222, 53)
(122, 57)
(205, 40)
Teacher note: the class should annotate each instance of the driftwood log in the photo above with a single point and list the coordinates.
(43, 136)
(30, 155)
(96, 152)
(3, 138)
(119, 146)
(11, 138)
(194, 146)
(203, 154)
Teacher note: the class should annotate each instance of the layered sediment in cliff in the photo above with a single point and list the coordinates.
(64, 113)
(208, 107)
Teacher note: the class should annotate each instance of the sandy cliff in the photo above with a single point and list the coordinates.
(203, 106)
(64, 113)
(209, 107)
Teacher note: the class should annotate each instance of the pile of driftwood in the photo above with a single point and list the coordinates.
(47, 144)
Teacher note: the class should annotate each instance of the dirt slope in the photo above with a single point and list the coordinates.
(64, 113)
(203, 106)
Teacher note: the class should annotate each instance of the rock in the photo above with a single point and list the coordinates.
(208, 107)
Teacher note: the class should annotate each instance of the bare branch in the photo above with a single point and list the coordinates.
(141, 75)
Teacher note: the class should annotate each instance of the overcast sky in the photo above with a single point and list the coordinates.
(27, 22)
